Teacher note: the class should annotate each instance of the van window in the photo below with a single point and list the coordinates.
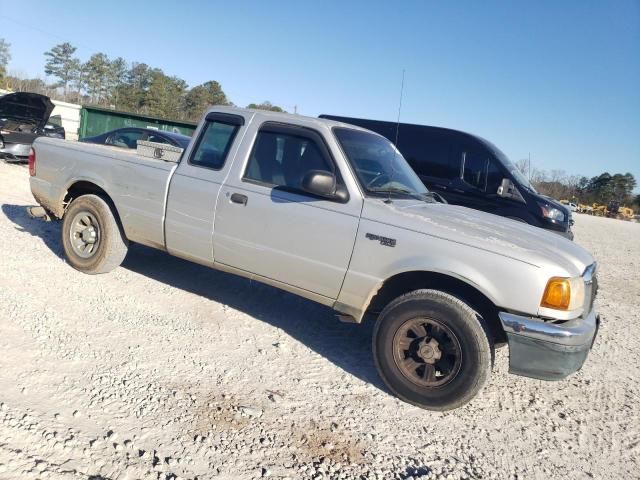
(474, 171)
(494, 176)
(428, 155)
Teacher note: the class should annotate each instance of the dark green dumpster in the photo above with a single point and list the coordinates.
(97, 120)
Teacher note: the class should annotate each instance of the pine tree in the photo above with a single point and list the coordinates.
(62, 64)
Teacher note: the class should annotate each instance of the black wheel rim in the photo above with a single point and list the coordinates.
(427, 352)
(84, 234)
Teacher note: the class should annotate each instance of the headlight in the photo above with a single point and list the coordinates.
(551, 213)
(563, 293)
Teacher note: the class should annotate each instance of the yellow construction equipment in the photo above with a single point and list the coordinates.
(625, 213)
(599, 210)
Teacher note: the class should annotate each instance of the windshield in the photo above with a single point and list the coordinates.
(379, 166)
(513, 170)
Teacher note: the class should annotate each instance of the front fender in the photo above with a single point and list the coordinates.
(509, 283)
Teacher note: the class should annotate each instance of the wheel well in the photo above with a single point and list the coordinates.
(83, 188)
(409, 281)
(88, 188)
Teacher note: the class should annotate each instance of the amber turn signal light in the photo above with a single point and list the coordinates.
(557, 294)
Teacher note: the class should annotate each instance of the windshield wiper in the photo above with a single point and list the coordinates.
(401, 191)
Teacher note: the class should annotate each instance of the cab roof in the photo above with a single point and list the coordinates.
(282, 117)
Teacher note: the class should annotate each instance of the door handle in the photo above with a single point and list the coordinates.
(239, 198)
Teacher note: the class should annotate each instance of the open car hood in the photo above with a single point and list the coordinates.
(28, 107)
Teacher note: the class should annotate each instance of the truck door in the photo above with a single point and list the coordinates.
(266, 224)
(195, 185)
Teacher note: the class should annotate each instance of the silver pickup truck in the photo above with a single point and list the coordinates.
(333, 213)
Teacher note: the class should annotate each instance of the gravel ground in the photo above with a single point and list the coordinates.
(164, 369)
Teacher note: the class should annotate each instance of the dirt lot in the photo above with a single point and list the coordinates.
(165, 369)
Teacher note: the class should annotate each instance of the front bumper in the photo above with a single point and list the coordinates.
(548, 351)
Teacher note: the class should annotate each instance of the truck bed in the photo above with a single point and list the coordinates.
(140, 203)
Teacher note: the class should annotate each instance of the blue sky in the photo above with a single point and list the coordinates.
(558, 80)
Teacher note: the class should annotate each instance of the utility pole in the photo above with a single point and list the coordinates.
(295, 109)
(529, 167)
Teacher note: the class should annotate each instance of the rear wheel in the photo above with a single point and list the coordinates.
(93, 241)
(432, 350)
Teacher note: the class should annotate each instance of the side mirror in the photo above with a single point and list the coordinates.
(320, 183)
(508, 190)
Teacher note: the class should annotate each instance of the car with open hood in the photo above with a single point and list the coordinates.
(24, 117)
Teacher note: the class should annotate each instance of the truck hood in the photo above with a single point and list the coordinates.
(499, 235)
(28, 107)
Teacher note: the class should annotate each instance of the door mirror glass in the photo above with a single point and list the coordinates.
(320, 183)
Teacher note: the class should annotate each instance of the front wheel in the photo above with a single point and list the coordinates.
(91, 237)
(432, 350)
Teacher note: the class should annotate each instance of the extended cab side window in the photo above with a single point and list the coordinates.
(213, 145)
(283, 159)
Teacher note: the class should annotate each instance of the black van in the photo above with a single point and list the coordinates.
(468, 170)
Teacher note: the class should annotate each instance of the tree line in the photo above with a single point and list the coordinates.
(140, 88)
(599, 189)
(115, 83)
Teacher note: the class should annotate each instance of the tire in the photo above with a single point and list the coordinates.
(92, 239)
(436, 376)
